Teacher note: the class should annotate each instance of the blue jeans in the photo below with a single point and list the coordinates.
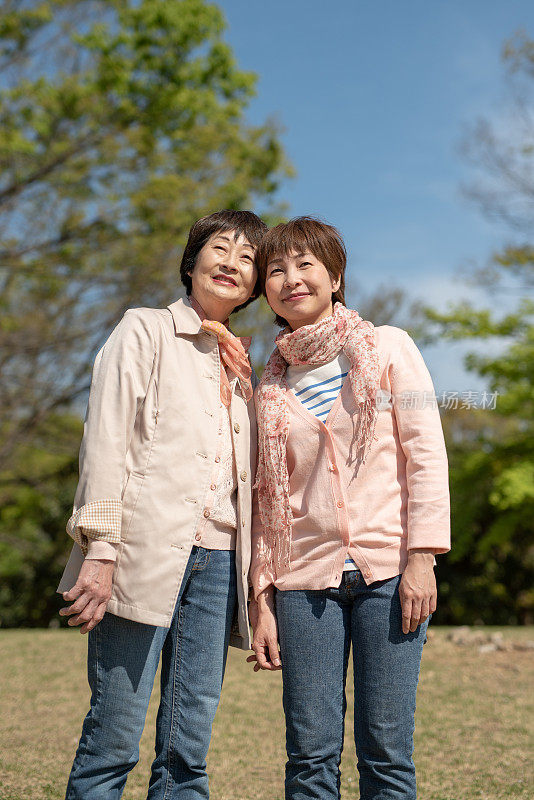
(123, 658)
(316, 630)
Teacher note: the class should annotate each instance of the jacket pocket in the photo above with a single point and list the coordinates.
(130, 496)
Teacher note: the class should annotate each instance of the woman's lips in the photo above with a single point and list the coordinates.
(224, 280)
(294, 297)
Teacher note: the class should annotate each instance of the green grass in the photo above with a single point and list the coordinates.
(473, 727)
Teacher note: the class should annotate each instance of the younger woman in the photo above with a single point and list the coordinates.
(352, 505)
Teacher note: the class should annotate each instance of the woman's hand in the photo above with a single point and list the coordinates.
(265, 643)
(417, 589)
(91, 594)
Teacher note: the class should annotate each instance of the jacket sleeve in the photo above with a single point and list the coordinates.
(121, 374)
(421, 437)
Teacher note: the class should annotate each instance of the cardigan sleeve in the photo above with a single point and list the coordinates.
(421, 437)
(261, 575)
(119, 384)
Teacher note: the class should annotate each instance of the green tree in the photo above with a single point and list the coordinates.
(120, 124)
(489, 574)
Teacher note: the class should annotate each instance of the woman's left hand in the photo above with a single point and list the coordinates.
(417, 589)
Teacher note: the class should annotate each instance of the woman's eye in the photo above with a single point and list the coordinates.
(219, 247)
(275, 269)
(305, 264)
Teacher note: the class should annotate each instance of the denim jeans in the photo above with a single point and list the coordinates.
(316, 630)
(123, 657)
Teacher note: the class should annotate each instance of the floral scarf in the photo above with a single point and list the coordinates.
(312, 344)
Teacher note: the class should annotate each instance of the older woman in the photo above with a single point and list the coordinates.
(162, 520)
(353, 504)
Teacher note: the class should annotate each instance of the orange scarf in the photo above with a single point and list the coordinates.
(233, 351)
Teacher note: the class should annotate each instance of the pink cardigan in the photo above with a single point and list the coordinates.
(375, 512)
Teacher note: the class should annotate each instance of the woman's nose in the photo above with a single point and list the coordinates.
(291, 279)
(229, 264)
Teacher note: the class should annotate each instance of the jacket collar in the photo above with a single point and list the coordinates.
(185, 318)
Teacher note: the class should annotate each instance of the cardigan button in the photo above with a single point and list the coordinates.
(213, 487)
(236, 427)
(243, 476)
(217, 459)
(340, 503)
(206, 512)
(198, 537)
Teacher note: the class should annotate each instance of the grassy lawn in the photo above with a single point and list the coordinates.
(474, 725)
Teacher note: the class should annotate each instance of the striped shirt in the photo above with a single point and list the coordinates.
(317, 389)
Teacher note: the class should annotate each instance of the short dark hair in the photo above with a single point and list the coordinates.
(242, 222)
(305, 234)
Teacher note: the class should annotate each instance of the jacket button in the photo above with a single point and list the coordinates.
(206, 512)
(243, 475)
(236, 427)
(198, 537)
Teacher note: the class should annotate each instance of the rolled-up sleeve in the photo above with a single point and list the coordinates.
(119, 384)
(423, 444)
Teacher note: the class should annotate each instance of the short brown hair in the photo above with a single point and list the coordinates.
(303, 234)
(242, 222)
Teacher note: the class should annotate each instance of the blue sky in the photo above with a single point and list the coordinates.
(375, 98)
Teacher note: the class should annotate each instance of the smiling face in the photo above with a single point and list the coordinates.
(299, 288)
(224, 275)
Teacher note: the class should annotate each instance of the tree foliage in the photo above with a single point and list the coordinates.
(120, 124)
(489, 574)
(35, 500)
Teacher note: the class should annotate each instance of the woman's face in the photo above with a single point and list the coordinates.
(224, 275)
(299, 288)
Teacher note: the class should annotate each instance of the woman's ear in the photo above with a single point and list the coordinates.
(336, 284)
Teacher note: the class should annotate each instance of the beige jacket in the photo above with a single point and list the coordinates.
(149, 444)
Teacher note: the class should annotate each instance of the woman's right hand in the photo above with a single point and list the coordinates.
(265, 642)
(91, 594)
